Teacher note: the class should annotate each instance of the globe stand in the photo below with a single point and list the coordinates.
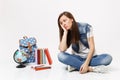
(21, 65)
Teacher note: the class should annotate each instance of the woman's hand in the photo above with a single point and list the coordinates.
(63, 42)
(84, 68)
(65, 30)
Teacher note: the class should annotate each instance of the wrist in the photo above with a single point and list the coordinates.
(86, 63)
(65, 32)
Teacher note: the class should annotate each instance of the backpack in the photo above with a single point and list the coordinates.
(28, 45)
(26, 51)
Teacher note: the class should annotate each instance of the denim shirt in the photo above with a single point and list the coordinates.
(84, 28)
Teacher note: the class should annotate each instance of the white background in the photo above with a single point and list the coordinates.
(38, 18)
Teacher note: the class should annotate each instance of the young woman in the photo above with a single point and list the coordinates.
(80, 38)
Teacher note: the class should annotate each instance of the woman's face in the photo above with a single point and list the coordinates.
(66, 22)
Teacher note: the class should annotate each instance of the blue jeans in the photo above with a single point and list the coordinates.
(76, 61)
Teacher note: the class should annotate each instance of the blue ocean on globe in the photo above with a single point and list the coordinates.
(20, 55)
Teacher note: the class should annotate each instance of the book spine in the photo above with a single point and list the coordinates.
(36, 61)
(44, 57)
(41, 56)
(38, 56)
(48, 55)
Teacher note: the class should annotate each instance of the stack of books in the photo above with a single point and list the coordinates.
(43, 59)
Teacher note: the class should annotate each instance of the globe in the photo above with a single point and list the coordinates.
(20, 58)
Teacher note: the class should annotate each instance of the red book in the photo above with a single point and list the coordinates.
(41, 67)
(48, 56)
(38, 56)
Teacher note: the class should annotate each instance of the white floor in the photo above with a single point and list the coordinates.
(9, 71)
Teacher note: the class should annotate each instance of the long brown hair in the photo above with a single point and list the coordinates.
(73, 34)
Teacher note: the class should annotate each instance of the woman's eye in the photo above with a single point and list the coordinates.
(64, 20)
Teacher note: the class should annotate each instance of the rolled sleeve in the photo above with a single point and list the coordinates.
(90, 32)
